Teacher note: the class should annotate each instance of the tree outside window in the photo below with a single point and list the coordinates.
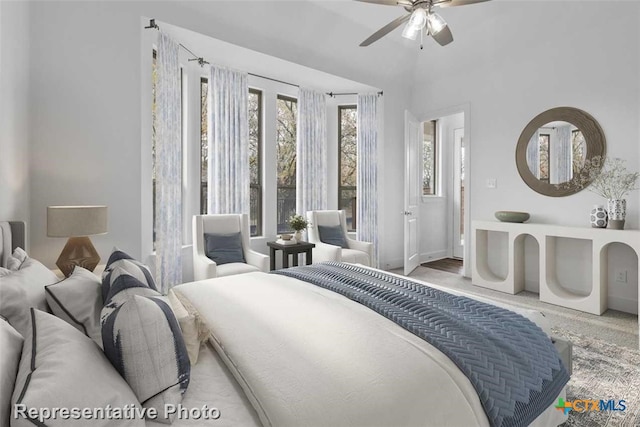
(429, 162)
(287, 116)
(348, 163)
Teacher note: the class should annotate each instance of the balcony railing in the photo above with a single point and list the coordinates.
(285, 207)
(255, 208)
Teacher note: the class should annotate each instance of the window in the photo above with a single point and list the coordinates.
(429, 162)
(255, 161)
(286, 157)
(204, 145)
(348, 163)
(544, 141)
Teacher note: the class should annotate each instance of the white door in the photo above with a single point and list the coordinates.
(458, 193)
(413, 135)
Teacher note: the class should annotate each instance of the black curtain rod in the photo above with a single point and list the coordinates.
(334, 94)
(201, 61)
(273, 80)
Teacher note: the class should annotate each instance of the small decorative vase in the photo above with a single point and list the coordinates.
(617, 210)
(298, 235)
(598, 217)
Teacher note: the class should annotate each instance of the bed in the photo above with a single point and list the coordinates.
(285, 352)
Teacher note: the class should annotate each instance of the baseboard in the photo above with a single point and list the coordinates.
(623, 304)
(390, 264)
(433, 256)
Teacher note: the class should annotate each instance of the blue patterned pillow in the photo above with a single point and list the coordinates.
(135, 268)
(332, 235)
(143, 341)
(224, 248)
(123, 287)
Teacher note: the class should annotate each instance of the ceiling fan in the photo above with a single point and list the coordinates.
(421, 19)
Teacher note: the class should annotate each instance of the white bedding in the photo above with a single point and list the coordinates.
(306, 356)
(213, 385)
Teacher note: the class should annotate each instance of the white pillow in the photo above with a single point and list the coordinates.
(5, 271)
(11, 345)
(143, 341)
(62, 368)
(20, 255)
(15, 260)
(13, 263)
(78, 300)
(194, 328)
(32, 277)
(24, 289)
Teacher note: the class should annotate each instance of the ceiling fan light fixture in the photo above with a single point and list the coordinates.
(435, 23)
(410, 32)
(418, 19)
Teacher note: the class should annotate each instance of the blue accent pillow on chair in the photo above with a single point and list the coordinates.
(224, 248)
(332, 235)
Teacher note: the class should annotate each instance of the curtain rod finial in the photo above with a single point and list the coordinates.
(152, 24)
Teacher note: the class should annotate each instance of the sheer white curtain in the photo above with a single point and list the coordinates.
(367, 205)
(311, 152)
(168, 163)
(533, 154)
(564, 170)
(228, 187)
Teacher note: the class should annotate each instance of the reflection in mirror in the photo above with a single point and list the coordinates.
(556, 152)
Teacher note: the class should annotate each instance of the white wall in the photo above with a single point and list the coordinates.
(14, 114)
(89, 115)
(495, 65)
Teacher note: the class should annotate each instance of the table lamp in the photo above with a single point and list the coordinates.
(76, 223)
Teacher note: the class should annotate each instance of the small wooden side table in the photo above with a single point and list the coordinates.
(287, 250)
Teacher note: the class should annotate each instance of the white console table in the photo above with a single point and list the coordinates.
(550, 290)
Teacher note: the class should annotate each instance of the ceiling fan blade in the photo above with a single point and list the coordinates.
(444, 36)
(385, 30)
(389, 2)
(453, 3)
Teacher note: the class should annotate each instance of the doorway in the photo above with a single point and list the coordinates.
(442, 214)
(458, 193)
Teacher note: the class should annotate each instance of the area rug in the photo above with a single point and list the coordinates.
(603, 371)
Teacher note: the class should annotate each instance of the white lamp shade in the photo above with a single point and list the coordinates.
(75, 221)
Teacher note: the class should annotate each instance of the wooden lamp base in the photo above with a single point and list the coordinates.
(77, 251)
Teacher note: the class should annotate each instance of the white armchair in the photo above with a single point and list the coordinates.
(205, 268)
(357, 252)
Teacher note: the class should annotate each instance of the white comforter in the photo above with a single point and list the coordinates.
(306, 356)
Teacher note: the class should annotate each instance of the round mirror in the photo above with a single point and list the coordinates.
(553, 149)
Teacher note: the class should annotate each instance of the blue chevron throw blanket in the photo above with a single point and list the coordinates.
(510, 361)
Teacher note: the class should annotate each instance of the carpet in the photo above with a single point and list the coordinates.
(602, 370)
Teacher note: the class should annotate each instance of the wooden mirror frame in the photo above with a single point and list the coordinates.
(594, 139)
